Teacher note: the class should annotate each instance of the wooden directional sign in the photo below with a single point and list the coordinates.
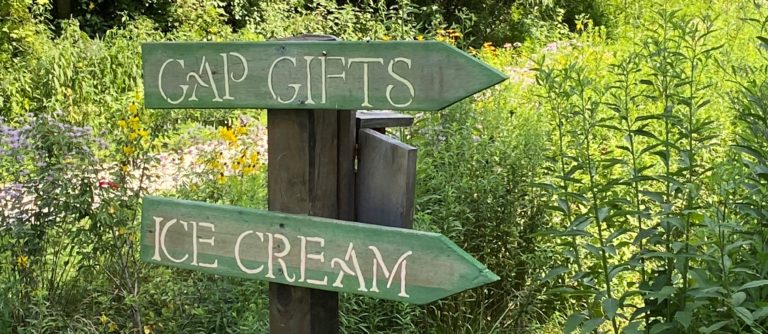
(381, 262)
(400, 75)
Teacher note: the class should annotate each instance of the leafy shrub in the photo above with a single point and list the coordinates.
(472, 186)
(645, 189)
(52, 175)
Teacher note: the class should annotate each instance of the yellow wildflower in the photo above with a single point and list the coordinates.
(132, 108)
(91, 6)
(149, 329)
(142, 133)
(215, 164)
(135, 123)
(248, 170)
(112, 327)
(385, 38)
(221, 178)
(121, 230)
(133, 135)
(241, 130)
(456, 34)
(22, 261)
(122, 124)
(419, 38)
(228, 135)
(254, 158)
(103, 319)
(128, 150)
(137, 95)
(125, 168)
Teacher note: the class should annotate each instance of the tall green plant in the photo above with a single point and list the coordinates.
(625, 100)
(660, 48)
(561, 165)
(593, 199)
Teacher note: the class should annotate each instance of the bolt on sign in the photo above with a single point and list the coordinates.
(397, 75)
(327, 254)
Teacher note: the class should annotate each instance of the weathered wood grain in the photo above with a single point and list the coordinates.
(307, 74)
(420, 266)
(386, 178)
(303, 179)
(346, 165)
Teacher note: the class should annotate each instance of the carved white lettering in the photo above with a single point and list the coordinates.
(365, 62)
(325, 76)
(309, 79)
(196, 241)
(157, 257)
(245, 67)
(346, 270)
(162, 241)
(231, 75)
(402, 80)
(378, 262)
(271, 74)
(204, 67)
(160, 82)
(304, 256)
(237, 253)
(271, 245)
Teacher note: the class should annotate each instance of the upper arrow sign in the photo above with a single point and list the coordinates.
(377, 261)
(398, 75)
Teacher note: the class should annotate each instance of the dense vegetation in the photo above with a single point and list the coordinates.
(617, 182)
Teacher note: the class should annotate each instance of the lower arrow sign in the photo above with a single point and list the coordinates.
(381, 262)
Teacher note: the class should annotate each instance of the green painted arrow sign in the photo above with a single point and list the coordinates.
(398, 75)
(377, 261)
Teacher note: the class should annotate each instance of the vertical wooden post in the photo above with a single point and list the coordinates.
(311, 171)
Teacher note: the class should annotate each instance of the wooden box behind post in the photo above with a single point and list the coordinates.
(311, 171)
(386, 171)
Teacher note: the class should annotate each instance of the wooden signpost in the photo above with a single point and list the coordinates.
(397, 75)
(381, 262)
(311, 87)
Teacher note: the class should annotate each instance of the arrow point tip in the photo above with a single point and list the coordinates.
(489, 276)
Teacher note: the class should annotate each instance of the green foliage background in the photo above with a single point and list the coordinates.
(616, 183)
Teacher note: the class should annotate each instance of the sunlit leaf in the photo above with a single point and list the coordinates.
(610, 307)
(591, 324)
(573, 322)
(753, 284)
(684, 318)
